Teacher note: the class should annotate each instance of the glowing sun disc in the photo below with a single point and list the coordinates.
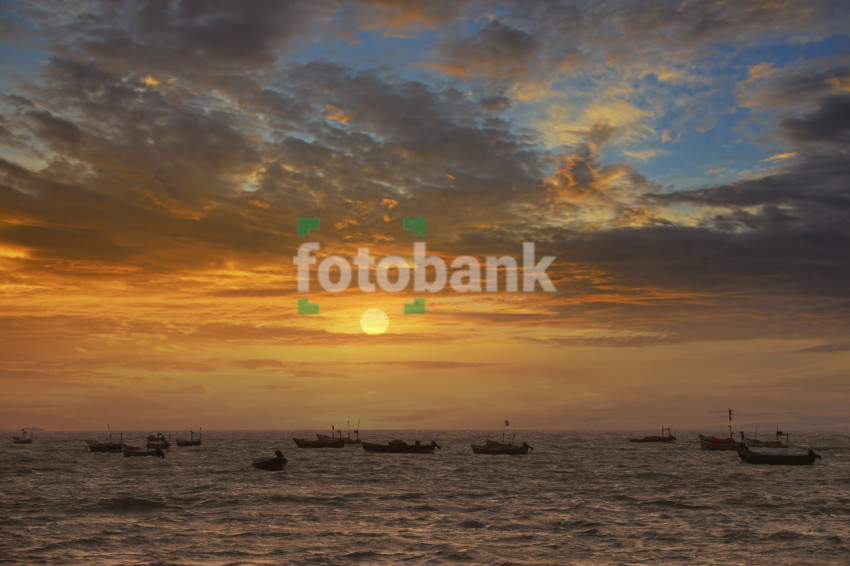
(374, 321)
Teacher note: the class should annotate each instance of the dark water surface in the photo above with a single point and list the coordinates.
(576, 499)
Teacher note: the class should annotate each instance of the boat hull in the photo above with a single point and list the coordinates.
(104, 446)
(653, 439)
(417, 448)
(188, 443)
(708, 443)
(778, 459)
(504, 449)
(270, 465)
(319, 443)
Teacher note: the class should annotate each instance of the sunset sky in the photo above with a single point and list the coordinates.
(686, 163)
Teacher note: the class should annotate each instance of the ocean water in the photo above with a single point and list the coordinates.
(577, 498)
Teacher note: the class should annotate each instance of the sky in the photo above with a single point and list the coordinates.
(686, 164)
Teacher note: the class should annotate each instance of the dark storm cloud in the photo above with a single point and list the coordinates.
(829, 123)
(174, 36)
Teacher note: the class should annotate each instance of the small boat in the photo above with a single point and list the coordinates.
(270, 464)
(655, 438)
(192, 440)
(319, 443)
(157, 440)
(756, 443)
(337, 435)
(494, 447)
(95, 446)
(401, 447)
(718, 443)
(25, 438)
(721, 443)
(779, 457)
(135, 451)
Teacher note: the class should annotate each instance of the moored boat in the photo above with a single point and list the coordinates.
(319, 443)
(25, 438)
(719, 443)
(494, 447)
(722, 443)
(401, 447)
(655, 438)
(779, 457)
(157, 440)
(192, 440)
(95, 446)
(337, 435)
(756, 443)
(271, 464)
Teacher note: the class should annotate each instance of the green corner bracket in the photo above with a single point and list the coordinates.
(415, 224)
(307, 224)
(304, 307)
(418, 307)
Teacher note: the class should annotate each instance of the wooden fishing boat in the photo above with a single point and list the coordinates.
(157, 440)
(138, 452)
(25, 438)
(655, 438)
(192, 440)
(719, 443)
(401, 447)
(756, 443)
(271, 464)
(337, 435)
(95, 446)
(319, 443)
(779, 457)
(494, 447)
(722, 443)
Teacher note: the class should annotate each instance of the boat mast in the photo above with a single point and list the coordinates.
(730, 423)
(503, 431)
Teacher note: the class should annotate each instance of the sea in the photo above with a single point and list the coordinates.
(577, 498)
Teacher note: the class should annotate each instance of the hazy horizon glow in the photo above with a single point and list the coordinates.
(687, 164)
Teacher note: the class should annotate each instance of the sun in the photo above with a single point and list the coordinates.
(374, 321)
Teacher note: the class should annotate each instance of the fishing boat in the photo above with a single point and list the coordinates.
(157, 440)
(192, 440)
(271, 464)
(779, 457)
(136, 452)
(655, 438)
(721, 443)
(495, 447)
(777, 443)
(25, 438)
(95, 446)
(319, 443)
(337, 435)
(401, 447)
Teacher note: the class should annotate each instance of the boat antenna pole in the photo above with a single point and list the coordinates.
(730, 423)
(503, 431)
